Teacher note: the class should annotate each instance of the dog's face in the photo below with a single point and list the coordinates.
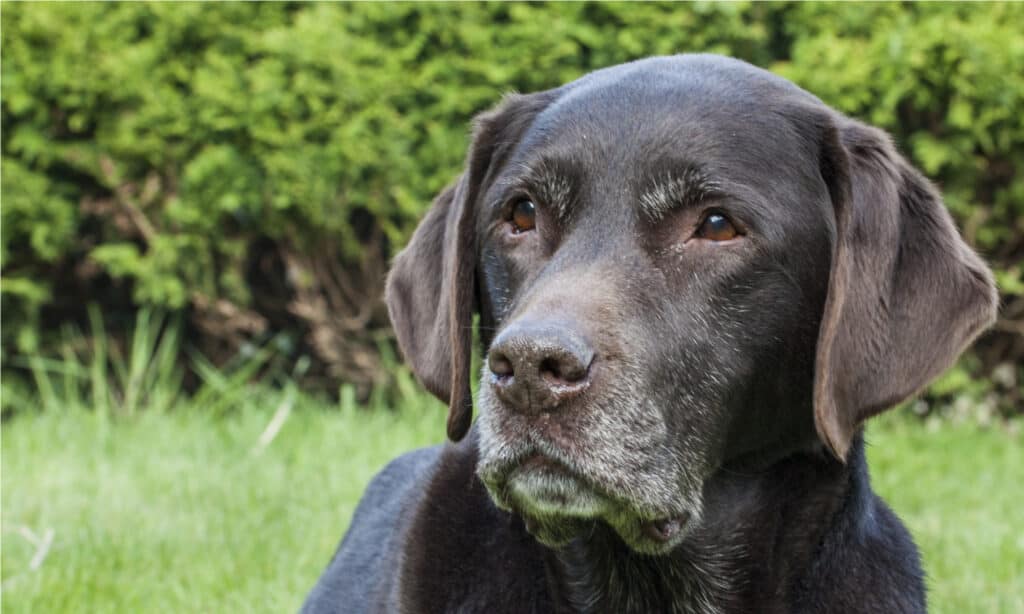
(678, 264)
(656, 269)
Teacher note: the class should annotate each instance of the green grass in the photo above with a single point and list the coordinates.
(960, 490)
(182, 511)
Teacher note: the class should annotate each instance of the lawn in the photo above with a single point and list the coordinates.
(182, 511)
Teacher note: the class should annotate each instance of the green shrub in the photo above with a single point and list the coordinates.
(255, 165)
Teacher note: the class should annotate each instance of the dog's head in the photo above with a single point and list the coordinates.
(678, 264)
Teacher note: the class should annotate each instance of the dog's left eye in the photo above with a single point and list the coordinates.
(716, 227)
(523, 216)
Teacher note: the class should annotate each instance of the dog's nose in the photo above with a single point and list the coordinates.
(538, 365)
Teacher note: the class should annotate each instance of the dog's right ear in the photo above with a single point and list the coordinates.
(430, 290)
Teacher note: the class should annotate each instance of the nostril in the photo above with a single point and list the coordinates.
(500, 365)
(549, 368)
(566, 370)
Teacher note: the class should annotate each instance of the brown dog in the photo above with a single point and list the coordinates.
(695, 281)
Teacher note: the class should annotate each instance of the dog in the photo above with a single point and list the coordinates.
(694, 282)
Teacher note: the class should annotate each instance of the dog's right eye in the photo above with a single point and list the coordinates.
(523, 216)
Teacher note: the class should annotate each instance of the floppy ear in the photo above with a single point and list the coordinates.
(431, 294)
(431, 305)
(906, 294)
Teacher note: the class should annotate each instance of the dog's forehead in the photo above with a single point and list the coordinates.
(730, 119)
(686, 87)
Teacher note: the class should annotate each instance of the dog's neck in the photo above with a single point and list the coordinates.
(755, 531)
(598, 573)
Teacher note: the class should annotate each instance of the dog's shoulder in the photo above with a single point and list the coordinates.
(363, 571)
(867, 561)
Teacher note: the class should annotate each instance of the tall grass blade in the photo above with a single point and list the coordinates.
(225, 388)
(47, 396)
(138, 359)
(98, 369)
(164, 376)
(73, 372)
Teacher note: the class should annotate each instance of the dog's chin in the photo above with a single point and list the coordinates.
(557, 507)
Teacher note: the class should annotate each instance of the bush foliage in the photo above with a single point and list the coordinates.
(254, 166)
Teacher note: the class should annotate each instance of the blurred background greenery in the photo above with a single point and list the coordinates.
(199, 202)
(250, 169)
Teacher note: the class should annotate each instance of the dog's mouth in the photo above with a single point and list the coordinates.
(543, 485)
(557, 504)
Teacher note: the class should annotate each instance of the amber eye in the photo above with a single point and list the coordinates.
(716, 227)
(523, 216)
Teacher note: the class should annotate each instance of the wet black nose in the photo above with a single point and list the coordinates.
(538, 365)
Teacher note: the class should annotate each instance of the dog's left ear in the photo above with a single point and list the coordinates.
(906, 294)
